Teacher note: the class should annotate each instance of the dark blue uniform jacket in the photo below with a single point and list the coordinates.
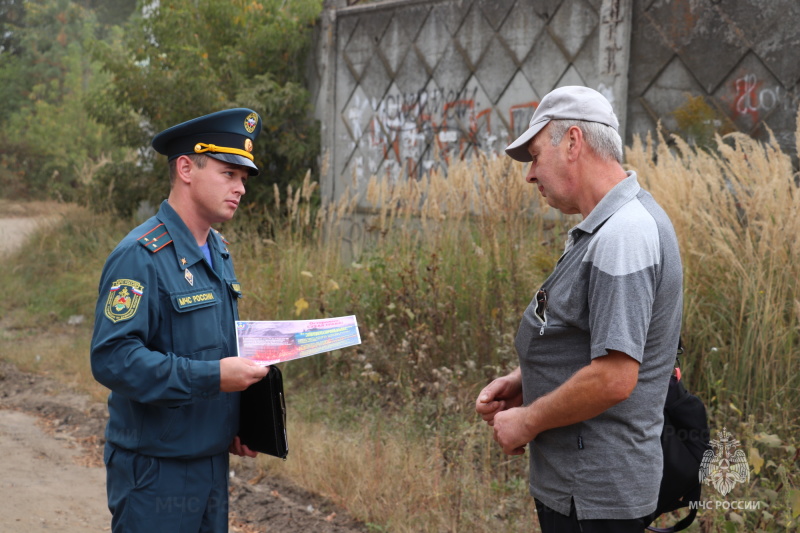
(163, 321)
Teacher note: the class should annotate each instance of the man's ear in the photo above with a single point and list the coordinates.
(183, 168)
(575, 140)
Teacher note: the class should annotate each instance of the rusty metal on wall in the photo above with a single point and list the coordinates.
(402, 87)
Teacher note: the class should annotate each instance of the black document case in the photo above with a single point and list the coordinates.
(262, 416)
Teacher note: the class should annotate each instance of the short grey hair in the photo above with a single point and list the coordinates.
(603, 140)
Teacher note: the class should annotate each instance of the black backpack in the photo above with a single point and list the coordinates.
(684, 440)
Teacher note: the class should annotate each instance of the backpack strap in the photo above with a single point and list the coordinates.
(680, 525)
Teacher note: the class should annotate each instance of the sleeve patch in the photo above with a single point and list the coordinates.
(123, 300)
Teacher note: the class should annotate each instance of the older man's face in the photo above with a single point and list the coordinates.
(548, 171)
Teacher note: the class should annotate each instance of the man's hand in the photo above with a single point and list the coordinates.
(237, 448)
(607, 381)
(237, 373)
(511, 430)
(499, 395)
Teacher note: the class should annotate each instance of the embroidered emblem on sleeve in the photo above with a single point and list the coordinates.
(123, 299)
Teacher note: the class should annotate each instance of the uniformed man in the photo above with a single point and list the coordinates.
(164, 340)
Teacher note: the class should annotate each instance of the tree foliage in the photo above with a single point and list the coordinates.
(181, 59)
(47, 141)
(11, 15)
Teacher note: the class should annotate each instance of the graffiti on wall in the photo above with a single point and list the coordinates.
(753, 99)
(412, 133)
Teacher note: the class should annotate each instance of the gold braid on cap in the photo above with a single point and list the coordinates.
(200, 148)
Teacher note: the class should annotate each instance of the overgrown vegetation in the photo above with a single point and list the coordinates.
(438, 281)
(84, 86)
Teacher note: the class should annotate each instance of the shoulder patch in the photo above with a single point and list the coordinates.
(155, 239)
(123, 299)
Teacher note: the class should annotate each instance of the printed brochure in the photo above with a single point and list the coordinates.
(278, 341)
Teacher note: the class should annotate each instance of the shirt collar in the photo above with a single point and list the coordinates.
(622, 193)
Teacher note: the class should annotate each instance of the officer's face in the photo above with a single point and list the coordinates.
(217, 189)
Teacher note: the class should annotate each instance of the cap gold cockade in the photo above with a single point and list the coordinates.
(251, 122)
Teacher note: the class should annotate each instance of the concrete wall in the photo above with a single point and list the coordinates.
(402, 86)
(742, 56)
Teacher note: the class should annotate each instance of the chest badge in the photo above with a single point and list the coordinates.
(189, 277)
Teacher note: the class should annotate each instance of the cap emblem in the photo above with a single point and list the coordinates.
(248, 145)
(251, 122)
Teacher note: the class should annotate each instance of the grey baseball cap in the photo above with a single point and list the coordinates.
(565, 103)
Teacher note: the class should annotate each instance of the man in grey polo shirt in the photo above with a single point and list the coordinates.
(597, 343)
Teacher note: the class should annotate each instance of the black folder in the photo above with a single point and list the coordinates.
(262, 416)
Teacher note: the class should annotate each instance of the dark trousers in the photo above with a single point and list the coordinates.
(552, 521)
(156, 495)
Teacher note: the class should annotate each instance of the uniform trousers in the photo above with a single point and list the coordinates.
(154, 495)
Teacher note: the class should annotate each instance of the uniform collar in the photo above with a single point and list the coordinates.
(622, 193)
(187, 252)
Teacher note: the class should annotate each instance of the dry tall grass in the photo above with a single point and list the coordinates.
(737, 214)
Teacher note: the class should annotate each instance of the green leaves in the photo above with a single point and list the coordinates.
(47, 138)
(187, 58)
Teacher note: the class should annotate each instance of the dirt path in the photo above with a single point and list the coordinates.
(51, 440)
(46, 483)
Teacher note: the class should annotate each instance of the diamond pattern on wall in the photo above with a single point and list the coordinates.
(545, 64)
(375, 80)
(451, 14)
(650, 51)
(358, 52)
(412, 74)
(344, 30)
(357, 115)
(695, 32)
(412, 19)
(668, 92)
(452, 71)
(393, 47)
(571, 77)
(433, 40)
(572, 25)
(473, 37)
(520, 30)
(345, 85)
(546, 9)
(586, 62)
(516, 106)
(496, 69)
(495, 11)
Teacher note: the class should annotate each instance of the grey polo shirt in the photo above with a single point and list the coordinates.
(618, 286)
